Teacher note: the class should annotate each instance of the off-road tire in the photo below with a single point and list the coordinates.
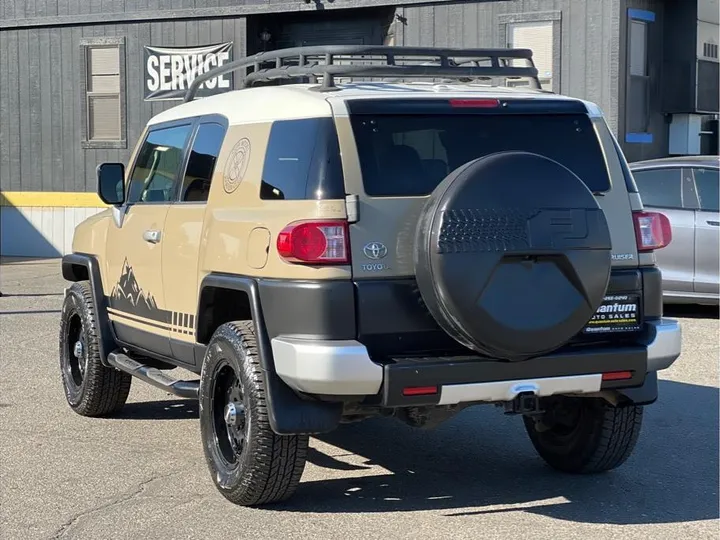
(602, 439)
(268, 467)
(99, 390)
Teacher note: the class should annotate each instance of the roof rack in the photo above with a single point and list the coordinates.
(377, 61)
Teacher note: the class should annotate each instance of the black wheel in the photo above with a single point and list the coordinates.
(91, 388)
(584, 435)
(249, 463)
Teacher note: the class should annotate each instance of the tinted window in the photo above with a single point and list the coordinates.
(660, 187)
(706, 181)
(201, 163)
(302, 161)
(158, 165)
(410, 154)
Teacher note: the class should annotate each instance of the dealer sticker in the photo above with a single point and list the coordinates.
(617, 313)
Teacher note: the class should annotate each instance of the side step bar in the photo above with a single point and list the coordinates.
(184, 389)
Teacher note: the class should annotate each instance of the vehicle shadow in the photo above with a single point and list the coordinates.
(691, 311)
(173, 409)
(482, 462)
(30, 312)
(28, 295)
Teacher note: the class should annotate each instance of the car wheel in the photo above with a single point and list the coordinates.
(250, 464)
(584, 435)
(91, 389)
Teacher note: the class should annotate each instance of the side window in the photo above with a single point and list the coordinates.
(706, 181)
(201, 164)
(302, 161)
(158, 164)
(660, 187)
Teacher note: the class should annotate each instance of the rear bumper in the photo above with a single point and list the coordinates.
(345, 368)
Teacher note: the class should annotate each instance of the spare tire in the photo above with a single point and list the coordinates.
(512, 255)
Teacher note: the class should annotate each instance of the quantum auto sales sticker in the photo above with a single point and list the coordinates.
(617, 313)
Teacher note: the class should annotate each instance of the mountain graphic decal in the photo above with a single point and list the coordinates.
(128, 296)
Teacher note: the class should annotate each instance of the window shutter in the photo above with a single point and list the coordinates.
(104, 60)
(537, 36)
(104, 117)
(103, 93)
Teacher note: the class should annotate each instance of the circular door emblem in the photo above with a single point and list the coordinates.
(236, 166)
(375, 250)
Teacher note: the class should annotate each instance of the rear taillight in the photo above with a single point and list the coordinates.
(652, 230)
(315, 242)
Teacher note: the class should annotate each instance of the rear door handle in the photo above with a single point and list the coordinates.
(714, 223)
(151, 236)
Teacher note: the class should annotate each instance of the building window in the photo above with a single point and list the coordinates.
(103, 87)
(541, 33)
(638, 85)
(538, 37)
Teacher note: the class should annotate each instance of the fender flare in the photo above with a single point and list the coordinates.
(288, 413)
(70, 271)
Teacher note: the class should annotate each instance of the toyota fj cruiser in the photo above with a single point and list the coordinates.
(334, 250)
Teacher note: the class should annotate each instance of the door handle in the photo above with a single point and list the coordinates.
(151, 236)
(714, 223)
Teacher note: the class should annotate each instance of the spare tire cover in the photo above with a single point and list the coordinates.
(512, 255)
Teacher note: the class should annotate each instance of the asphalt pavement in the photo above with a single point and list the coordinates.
(142, 474)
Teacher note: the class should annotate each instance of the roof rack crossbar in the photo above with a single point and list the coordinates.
(447, 63)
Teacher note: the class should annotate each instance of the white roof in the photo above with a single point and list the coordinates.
(268, 103)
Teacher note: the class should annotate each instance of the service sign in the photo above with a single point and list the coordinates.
(170, 71)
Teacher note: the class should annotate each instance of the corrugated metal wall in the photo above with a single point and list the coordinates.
(589, 53)
(41, 98)
(19, 9)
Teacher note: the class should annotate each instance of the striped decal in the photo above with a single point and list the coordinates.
(180, 323)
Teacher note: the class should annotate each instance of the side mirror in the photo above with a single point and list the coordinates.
(111, 183)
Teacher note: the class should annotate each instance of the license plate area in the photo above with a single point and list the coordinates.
(618, 313)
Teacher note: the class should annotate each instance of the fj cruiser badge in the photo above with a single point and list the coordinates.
(236, 166)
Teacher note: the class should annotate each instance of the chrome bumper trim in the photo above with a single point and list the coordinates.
(509, 390)
(326, 367)
(665, 345)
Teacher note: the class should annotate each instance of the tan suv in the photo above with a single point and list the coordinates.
(328, 252)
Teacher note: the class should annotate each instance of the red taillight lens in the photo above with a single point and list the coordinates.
(420, 391)
(317, 242)
(617, 375)
(475, 103)
(652, 230)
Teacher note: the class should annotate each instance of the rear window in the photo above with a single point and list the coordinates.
(410, 154)
(302, 161)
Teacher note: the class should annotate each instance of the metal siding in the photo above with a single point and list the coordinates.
(47, 111)
(10, 168)
(57, 113)
(4, 113)
(32, 179)
(589, 41)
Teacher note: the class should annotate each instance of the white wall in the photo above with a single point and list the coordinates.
(709, 11)
(39, 231)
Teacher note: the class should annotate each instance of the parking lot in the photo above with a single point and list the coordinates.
(142, 473)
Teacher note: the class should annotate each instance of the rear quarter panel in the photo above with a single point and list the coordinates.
(240, 229)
